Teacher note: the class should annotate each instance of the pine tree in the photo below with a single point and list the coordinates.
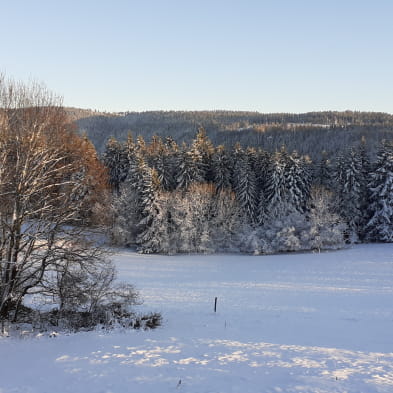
(203, 147)
(221, 166)
(380, 225)
(152, 226)
(141, 145)
(261, 169)
(134, 174)
(155, 146)
(273, 198)
(323, 172)
(171, 162)
(244, 185)
(252, 157)
(297, 181)
(287, 188)
(132, 160)
(126, 216)
(364, 191)
(130, 147)
(129, 203)
(115, 159)
(162, 163)
(157, 236)
(349, 179)
(189, 168)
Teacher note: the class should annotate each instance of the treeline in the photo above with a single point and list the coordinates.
(307, 133)
(199, 197)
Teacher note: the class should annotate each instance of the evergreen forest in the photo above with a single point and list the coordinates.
(202, 197)
(307, 133)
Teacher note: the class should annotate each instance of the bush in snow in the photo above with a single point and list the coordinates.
(283, 233)
(289, 230)
(82, 296)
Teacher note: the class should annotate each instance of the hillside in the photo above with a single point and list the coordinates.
(75, 114)
(308, 133)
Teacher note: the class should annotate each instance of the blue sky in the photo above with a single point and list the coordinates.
(267, 56)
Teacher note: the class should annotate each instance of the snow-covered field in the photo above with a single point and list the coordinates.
(284, 323)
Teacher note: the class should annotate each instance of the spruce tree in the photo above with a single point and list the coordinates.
(189, 168)
(261, 169)
(115, 159)
(221, 168)
(273, 198)
(203, 148)
(245, 185)
(380, 225)
(323, 173)
(297, 175)
(152, 226)
(349, 179)
(364, 181)
(162, 163)
(171, 162)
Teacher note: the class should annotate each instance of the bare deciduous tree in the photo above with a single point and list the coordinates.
(42, 191)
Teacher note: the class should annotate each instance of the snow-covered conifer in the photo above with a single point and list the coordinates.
(365, 166)
(157, 236)
(152, 216)
(126, 216)
(274, 193)
(349, 180)
(380, 225)
(261, 169)
(189, 168)
(115, 159)
(221, 166)
(203, 148)
(140, 144)
(245, 185)
(297, 181)
(287, 187)
(323, 172)
(163, 164)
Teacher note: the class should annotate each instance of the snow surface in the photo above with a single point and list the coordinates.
(284, 323)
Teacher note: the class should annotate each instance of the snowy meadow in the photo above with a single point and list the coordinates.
(315, 322)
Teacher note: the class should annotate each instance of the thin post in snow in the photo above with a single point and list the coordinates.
(215, 304)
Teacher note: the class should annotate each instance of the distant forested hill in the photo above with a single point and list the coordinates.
(308, 133)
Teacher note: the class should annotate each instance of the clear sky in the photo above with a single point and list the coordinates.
(266, 55)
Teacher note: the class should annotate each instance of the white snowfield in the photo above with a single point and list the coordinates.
(284, 323)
